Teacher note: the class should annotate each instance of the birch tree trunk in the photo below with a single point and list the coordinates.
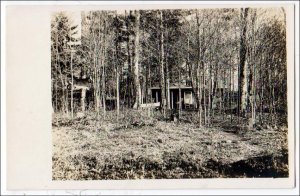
(83, 96)
(138, 93)
(204, 93)
(168, 83)
(103, 71)
(242, 82)
(253, 73)
(129, 62)
(162, 67)
(96, 65)
(198, 99)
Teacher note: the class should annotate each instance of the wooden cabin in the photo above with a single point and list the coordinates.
(187, 99)
(83, 94)
(81, 88)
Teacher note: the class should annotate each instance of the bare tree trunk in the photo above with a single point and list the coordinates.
(209, 90)
(94, 85)
(67, 96)
(118, 93)
(253, 100)
(103, 91)
(204, 94)
(215, 87)
(253, 74)
(200, 98)
(129, 75)
(63, 85)
(129, 62)
(270, 92)
(72, 87)
(209, 107)
(103, 75)
(147, 95)
(138, 93)
(261, 93)
(179, 89)
(83, 96)
(96, 75)
(148, 80)
(242, 68)
(167, 73)
(168, 83)
(116, 64)
(56, 78)
(162, 67)
(245, 95)
(199, 82)
(273, 95)
(223, 93)
(230, 92)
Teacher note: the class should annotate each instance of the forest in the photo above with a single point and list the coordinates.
(169, 93)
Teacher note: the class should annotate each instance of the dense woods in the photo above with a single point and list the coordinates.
(196, 93)
(234, 60)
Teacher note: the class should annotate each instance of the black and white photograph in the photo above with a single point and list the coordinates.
(169, 93)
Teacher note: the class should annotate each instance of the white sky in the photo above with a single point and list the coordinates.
(75, 18)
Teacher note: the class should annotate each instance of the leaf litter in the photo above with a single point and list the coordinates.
(136, 146)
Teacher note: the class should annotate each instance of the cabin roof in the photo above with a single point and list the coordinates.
(172, 87)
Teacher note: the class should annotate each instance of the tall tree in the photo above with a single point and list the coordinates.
(199, 83)
(242, 80)
(162, 64)
(138, 92)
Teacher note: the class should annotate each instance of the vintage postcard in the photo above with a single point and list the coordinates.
(200, 94)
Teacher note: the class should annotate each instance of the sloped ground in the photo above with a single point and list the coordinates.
(92, 148)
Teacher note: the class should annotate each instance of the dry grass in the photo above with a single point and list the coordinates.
(136, 146)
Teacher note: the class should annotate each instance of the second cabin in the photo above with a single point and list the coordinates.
(187, 97)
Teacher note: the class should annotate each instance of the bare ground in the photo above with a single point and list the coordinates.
(137, 147)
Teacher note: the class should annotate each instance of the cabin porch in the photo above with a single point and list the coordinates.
(177, 95)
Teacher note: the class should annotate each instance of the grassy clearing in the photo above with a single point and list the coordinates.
(137, 147)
